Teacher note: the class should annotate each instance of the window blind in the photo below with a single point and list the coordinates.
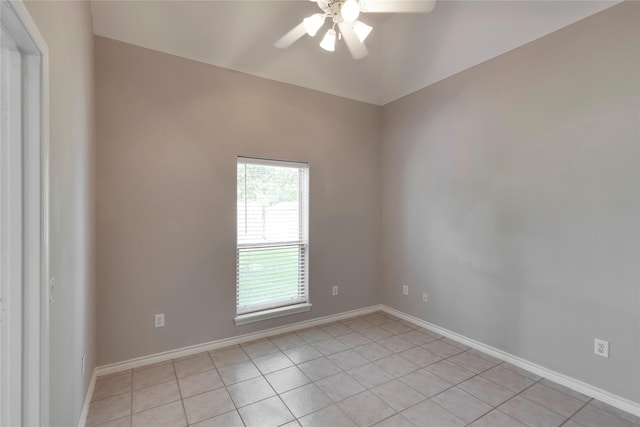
(272, 224)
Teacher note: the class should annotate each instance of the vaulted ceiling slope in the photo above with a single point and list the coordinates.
(407, 51)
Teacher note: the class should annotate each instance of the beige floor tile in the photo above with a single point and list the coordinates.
(373, 351)
(450, 372)
(272, 362)
(461, 404)
(397, 327)
(507, 378)
(530, 413)
(572, 393)
(354, 340)
(348, 359)
(420, 356)
(396, 365)
(455, 343)
(108, 409)
(250, 391)
(336, 329)
(486, 356)
(471, 362)
(239, 372)
(428, 413)
(193, 365)
(319, 368)
(358, 324)
(156, 374)
(552, 399)
(112, 385)
(270, 412)
(155, 395)
(305, 400)
(340, 386)
(425, 383)
(259, 348)
(207, 405)
(228, 356)
(366, 409)
(442, 348)
(120, 422)
(590, 416)
(370, 375)
(615, 411)
(302, 354)
(293, 423)
(487, 391)
(521, 371)
(396, 344)
(375, 333)
(496, 418)
(330, 346)
(287, 341)
(398, 395)
(395, 421)
(171, 415)
(311, 335)
(330, 416)
(287, 379)
(230, 419)
(199, 383)
(416, 337)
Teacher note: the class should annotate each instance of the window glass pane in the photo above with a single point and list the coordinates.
(268, 275)
(272, 234)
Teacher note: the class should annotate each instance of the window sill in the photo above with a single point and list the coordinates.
(258, 316)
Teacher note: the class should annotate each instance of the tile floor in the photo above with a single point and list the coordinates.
(369, 370)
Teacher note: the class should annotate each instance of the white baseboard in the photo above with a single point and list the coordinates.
(572, 383)
(213, 345)
(87, 400)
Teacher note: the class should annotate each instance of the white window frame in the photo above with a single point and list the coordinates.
(24, 396)
(268, 312)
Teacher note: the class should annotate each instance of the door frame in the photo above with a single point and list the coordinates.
(36, 290)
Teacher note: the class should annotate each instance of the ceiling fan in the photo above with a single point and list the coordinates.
(344, 14)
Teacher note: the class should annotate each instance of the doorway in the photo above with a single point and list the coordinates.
(24, 288)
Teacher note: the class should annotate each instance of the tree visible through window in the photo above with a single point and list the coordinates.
(272, 234)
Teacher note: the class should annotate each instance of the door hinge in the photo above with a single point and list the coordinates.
(2, 309)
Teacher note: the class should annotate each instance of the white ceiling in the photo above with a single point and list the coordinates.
(407, 51)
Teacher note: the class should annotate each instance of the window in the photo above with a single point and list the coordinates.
(272, 247)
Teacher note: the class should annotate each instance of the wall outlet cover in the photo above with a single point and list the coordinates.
(159, 320)
(405, 290)
(334, 290)
(425, 297)
(601, 347)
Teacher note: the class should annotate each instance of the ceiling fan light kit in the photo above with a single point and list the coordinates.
(344, 14)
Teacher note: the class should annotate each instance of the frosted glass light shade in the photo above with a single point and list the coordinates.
(329, 41)
(350, 10)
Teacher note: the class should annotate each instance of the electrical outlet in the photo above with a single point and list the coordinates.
(425, 297)
(601, 347)
(405, 290)
(160, 320)
(84, 362)
(334, 290)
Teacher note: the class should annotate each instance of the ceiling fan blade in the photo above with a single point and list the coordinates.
(291, 37)
(397, 6)
(357, 49)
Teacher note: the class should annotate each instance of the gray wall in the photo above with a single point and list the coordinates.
(67, 30)
(168, 134)
(511, 195)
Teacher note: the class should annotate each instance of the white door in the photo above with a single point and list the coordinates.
(10, 231)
